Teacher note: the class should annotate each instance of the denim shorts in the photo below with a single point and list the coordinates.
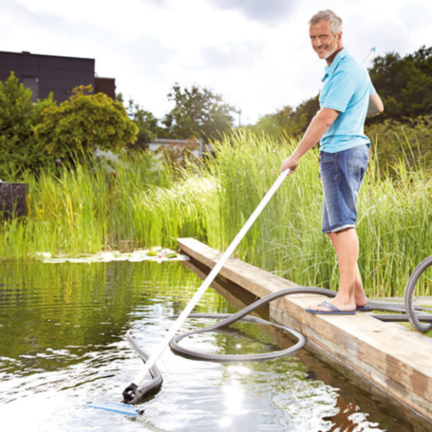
(342, 175)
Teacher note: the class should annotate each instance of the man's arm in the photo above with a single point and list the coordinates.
(375, 105)
(319, 125)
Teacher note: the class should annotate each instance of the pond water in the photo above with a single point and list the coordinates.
(62, 345)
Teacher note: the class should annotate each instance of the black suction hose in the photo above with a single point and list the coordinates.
(232, 318)
(135, 395)
(410, 288)
(152, 386)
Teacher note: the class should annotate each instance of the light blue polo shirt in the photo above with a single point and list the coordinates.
(346, 89)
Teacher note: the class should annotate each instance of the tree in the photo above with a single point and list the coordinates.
(273, 125)
(404, 85)
(19, 149)
(198, 113)
(147, 123)
(302, 116)
(84, 122)
(287, 120)
(268, 125)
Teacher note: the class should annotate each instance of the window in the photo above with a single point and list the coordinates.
(33, 84)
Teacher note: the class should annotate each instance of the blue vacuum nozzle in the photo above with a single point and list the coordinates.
(118, 408)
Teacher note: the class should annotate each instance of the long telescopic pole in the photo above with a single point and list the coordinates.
(209, 279)
(372, 51)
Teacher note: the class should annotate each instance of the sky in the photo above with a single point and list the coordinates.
(255, 53)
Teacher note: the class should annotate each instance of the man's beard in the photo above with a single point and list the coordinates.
(329, 50)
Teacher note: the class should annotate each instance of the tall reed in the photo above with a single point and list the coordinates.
(96, 205)
(394, 223)
(141, 198)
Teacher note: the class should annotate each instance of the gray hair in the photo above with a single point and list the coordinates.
(331, 17)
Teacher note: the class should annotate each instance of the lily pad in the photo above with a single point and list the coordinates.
(170, 255)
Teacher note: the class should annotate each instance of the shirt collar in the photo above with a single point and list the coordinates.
(329, 70)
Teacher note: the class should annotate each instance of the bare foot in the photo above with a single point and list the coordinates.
(360, 298)
(343, 306)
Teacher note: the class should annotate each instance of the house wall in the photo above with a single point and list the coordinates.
(44, 74)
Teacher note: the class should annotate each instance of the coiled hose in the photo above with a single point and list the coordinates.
(155, 383)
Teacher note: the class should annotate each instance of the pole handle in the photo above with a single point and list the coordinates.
(209, 279)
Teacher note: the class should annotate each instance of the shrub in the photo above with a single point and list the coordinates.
(19, 150)
(410, 142)
(84, 122)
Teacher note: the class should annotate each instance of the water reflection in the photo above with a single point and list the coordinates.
(61, 345)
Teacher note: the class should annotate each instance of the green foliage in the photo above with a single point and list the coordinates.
(404, 84)
(84, 122)
(267, 125)
(286, 239)
(273, 125)
(147, 123)
(20, 151)
(90, 208)
(302, 116)
(287, 121)
(198, 113)
(409, 141)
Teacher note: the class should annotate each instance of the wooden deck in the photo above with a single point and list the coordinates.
(396, 360)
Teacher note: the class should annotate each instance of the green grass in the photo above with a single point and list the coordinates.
(95, 207)
(394, 225)
(149, 203)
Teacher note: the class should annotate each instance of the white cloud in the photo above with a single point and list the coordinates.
(270, 11)
(256, 56)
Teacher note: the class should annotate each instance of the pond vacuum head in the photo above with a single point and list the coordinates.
(118, 408)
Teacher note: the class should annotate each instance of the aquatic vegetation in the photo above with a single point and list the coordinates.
(138, 198)
(394, 223)
(141, 199)
(135, 256)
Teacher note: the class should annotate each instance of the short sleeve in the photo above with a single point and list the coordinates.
(339, 91)
(371, 89)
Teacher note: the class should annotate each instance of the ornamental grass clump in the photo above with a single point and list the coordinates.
(394, 224)
(142, 199)
(188, 209)
(84, 209)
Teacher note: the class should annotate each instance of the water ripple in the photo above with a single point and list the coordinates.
(62, 345)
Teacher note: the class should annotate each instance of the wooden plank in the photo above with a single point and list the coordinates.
(324, 370)
(392, 358)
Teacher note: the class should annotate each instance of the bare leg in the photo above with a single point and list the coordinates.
(350, 293)
(359, 295)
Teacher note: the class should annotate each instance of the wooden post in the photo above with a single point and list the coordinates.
(13, 199)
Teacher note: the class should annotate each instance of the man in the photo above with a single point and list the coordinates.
(344, 154)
